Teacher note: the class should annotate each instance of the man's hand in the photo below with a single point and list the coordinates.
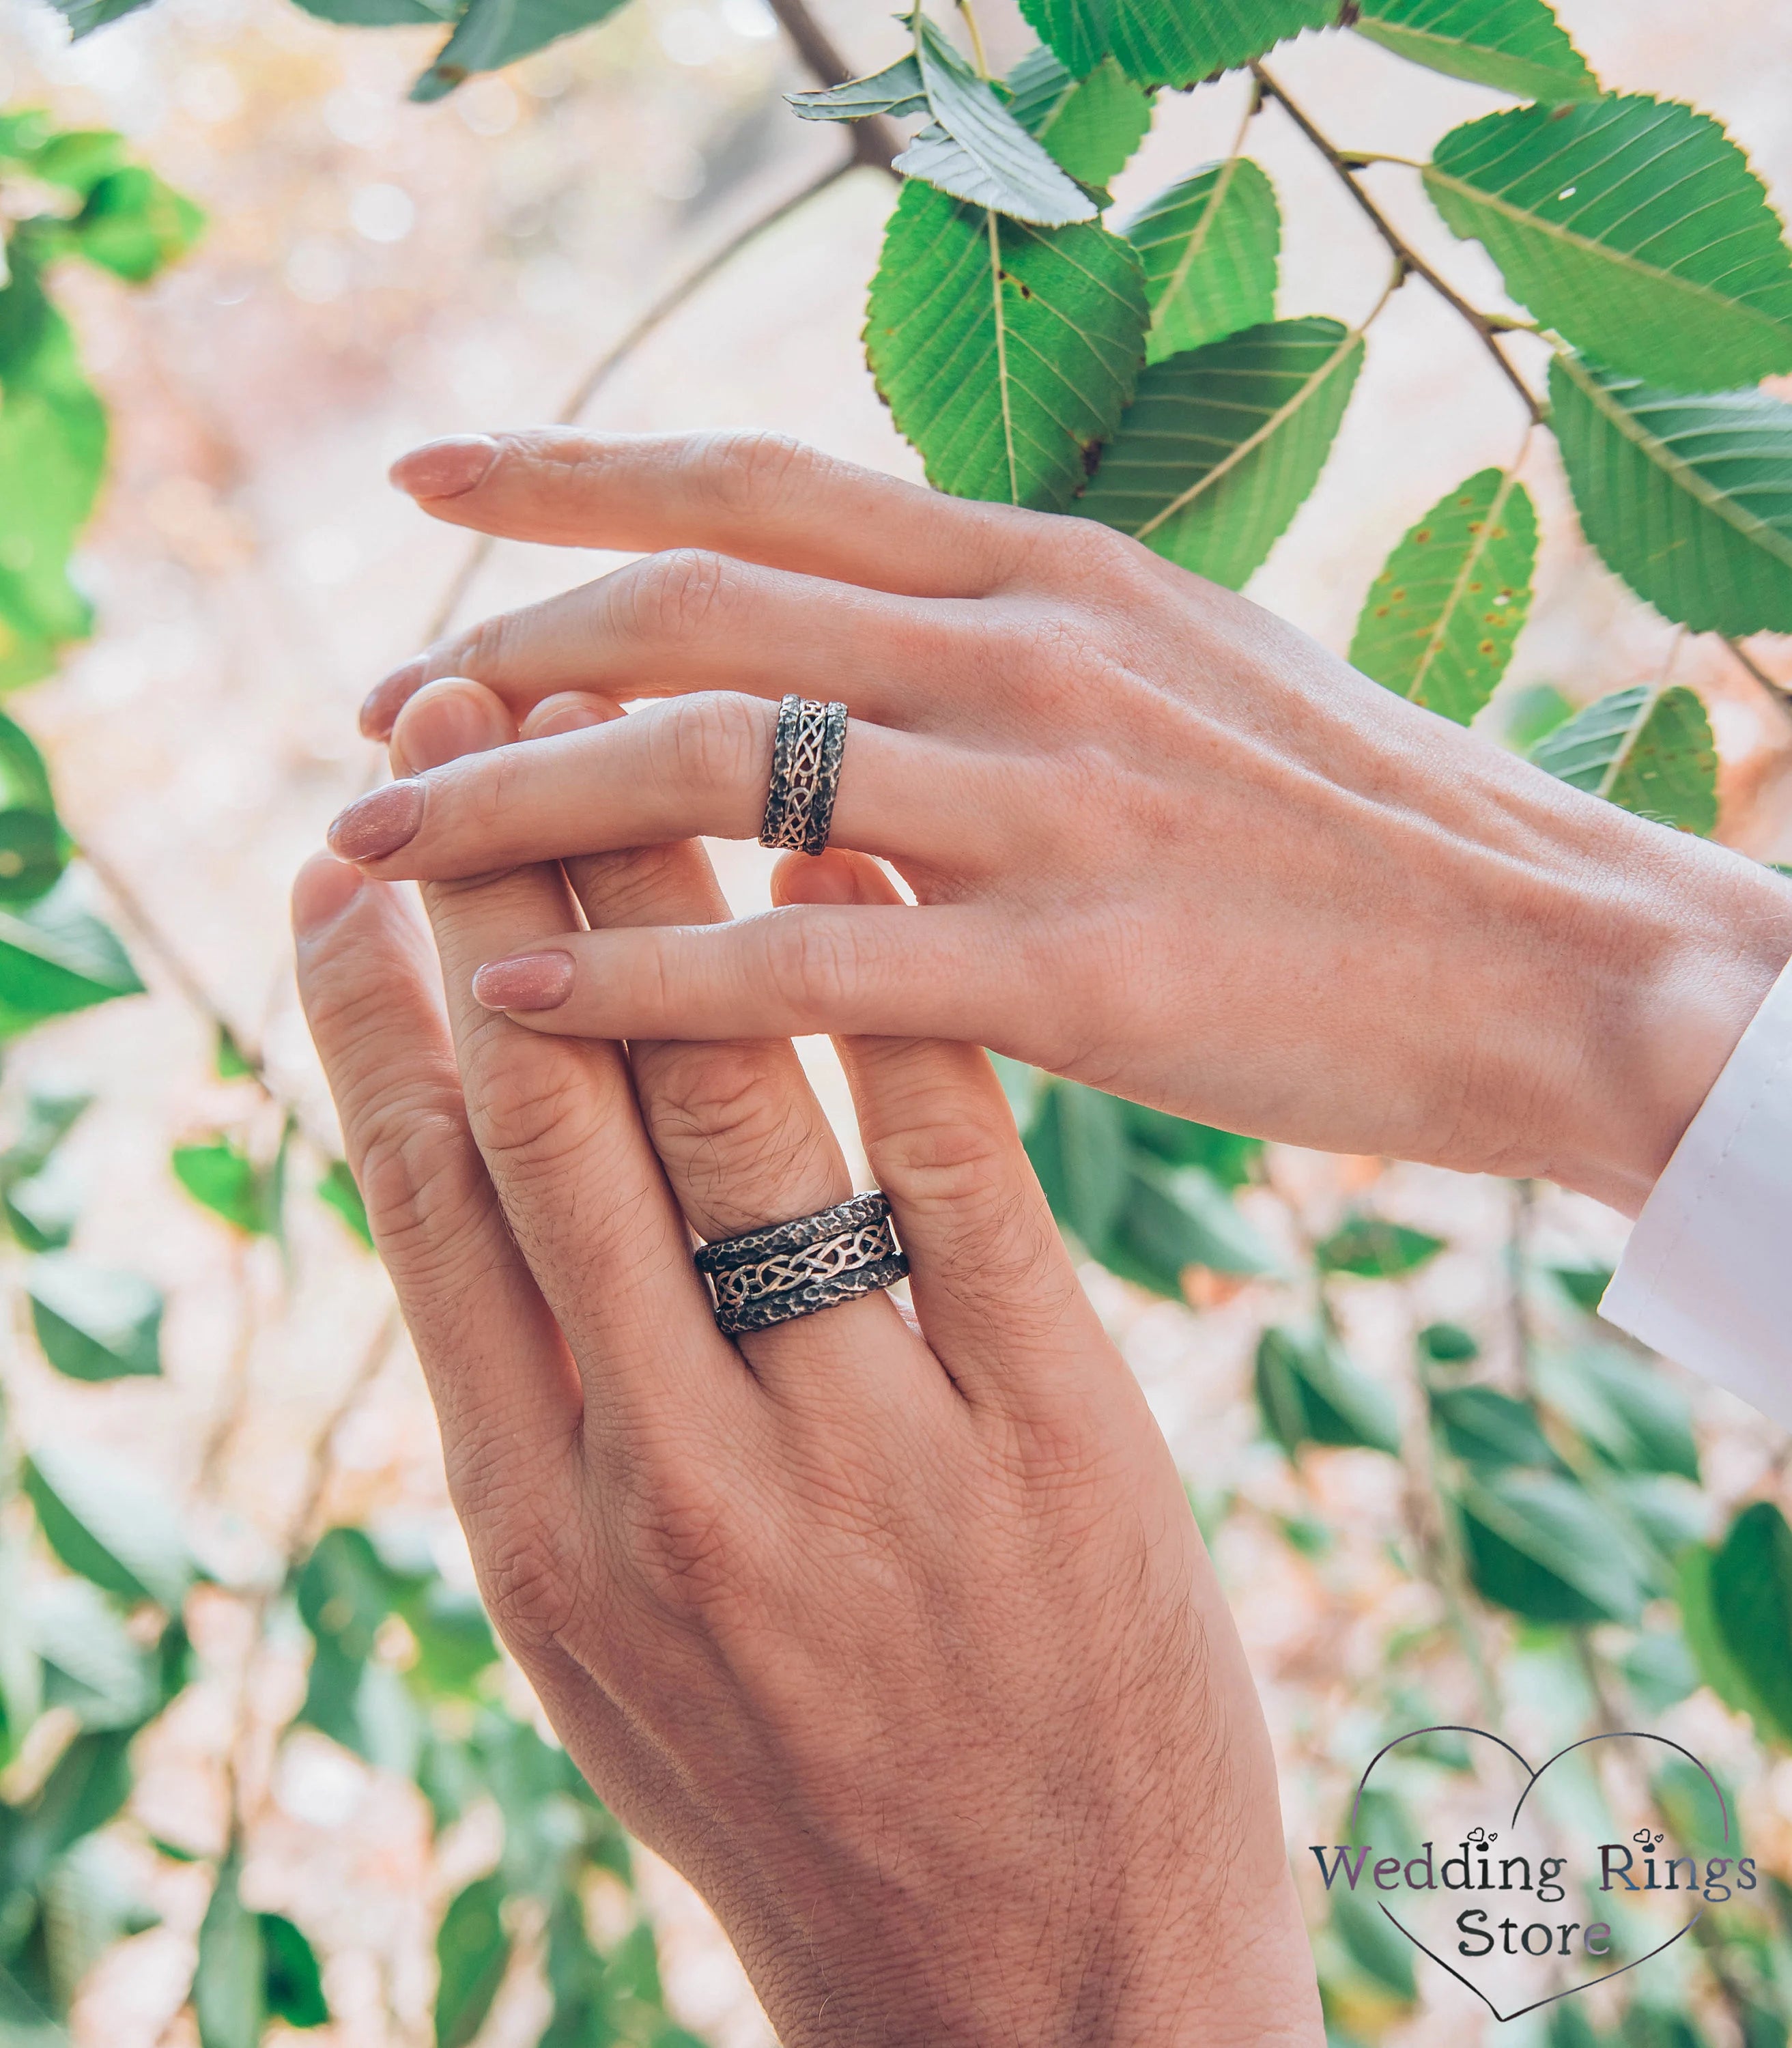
(901, 1644)
(1160, 841)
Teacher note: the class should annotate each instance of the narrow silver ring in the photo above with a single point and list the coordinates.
(788, 1269)
(806, 754)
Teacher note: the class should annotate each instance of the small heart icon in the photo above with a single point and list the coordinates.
(1536, 1909)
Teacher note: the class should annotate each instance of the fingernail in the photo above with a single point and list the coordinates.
(527, 981)
(446, 721)
(445, 468)
(379, 824)
(571, 711)
(322, 890)
(388, 697)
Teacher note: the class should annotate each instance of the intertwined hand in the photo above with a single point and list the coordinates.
(899, 1641)
(1160, 841)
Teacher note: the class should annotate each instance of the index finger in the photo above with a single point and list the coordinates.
(759, 497)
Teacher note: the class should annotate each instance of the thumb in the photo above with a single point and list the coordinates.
(993, 1289)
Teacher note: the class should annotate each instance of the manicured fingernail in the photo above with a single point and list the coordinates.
(322, 890)
(444, 468)
(527, 981)
(379, 824)
(388, 697)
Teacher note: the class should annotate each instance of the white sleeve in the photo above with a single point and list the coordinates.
(1706, 1278)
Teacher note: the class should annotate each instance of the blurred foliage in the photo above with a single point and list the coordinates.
(1031, 353)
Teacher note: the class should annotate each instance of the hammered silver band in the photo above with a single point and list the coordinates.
(806, 754)
(794, 1268)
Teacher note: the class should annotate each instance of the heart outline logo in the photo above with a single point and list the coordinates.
(1531, 1777)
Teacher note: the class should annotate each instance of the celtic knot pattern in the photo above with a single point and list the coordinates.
(807, 752)
(793, 1269)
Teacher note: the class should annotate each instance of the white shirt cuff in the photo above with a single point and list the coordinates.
(1706, 1278)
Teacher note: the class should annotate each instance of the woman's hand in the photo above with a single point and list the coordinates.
(1160, 841)
(901, 1644)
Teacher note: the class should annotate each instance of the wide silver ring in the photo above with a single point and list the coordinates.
(794, 1268)
(807, 751)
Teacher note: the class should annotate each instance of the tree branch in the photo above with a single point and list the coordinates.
(874, 142)
(613, 358)
(1780, 693)
(1486, 326)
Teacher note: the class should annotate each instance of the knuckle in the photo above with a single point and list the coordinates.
(713, 741)
(420, 1184)
(524, 1578)
(816, 959)
(480, 651)
(726, 1119)
(529, 1104)
(669, 596)
(1111, 562)
(753, 472)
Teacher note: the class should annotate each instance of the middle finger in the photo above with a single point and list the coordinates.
(688, 619)
(698, 767)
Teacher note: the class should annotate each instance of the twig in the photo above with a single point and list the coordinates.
(157, 942)
(1484, 324)
(874, 142)
(317, 1471)
(1780, 693)
(613, 358)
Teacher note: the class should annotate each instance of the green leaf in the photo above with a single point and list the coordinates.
(1168, 1221)
(1214, 456)
(1077, 1144)
(1374, 1249)
(1625, 1409)
(1209, 244)
(95, 1322)
(34, 850)
(87, 1788)
(40, 1199)
(473, 1951)
(55, 958)
(975, 149)
(24, 777)
(134, 225)
(1688, 499)
(1483, 1426)
(1171, 42)
(381, 14)
(1440, 621)
(1005, 372)
(1705, 1642)
(1584, 1286)
(1659, 1669)
(896, 91)
(107, 1522)
(492, 34)
(1309, 1393)
(338, 1190)
(344, 1592)
(1751, 1605)
(53, 454)
(1648, 753)
(227, 1985)
(1516, 46)
(223, 1177)
(89, 1904)
(92, 1664)
(1537, 1543)
(292, 1983)
(1632, 226)
(84, 16)
(1232, 1160)
(1090, 126)
(230, 1062)
(1448, 1344)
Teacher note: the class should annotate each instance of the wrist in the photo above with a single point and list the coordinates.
(1669, 949)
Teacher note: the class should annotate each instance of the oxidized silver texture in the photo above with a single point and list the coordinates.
(788, 1269)
(806, 754)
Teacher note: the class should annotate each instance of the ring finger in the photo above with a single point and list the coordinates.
(743, 1139)
(699, 766)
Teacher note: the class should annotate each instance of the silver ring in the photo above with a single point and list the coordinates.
(806, 755)
(788, 1269)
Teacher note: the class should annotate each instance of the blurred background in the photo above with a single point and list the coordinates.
(374, 273)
